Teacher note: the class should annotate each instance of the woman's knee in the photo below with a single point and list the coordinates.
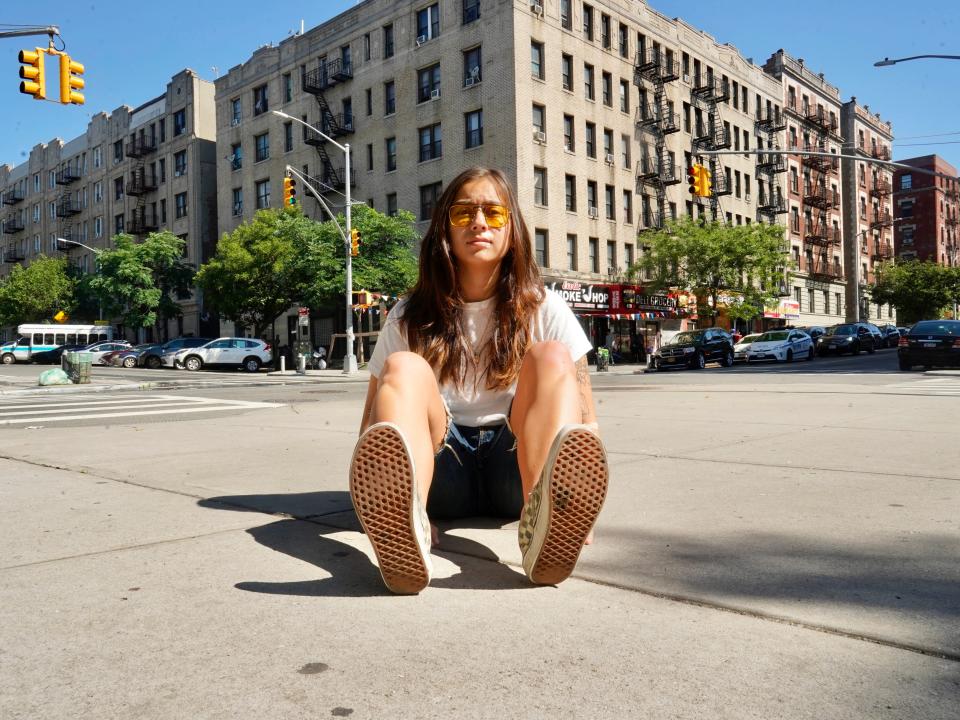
(404, 366)
(549, 357)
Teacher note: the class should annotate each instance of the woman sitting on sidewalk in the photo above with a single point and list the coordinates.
(479, 402)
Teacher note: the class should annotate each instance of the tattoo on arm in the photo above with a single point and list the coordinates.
(583, 381)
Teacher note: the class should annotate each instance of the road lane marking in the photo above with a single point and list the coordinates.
(171, 411)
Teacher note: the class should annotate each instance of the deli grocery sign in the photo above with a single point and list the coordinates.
(582, 297)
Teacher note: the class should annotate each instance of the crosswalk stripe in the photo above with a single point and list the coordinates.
(99, 416)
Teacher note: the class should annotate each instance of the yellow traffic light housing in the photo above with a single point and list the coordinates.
(361, 299)
(70, 81)
(33, 73)
(693, 179)
(289, 192)
(354, 242)
(706, 184)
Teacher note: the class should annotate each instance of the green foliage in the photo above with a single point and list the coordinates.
(707, 257)
(919, 290)
(281, 258)
(35, 293)
(141, 282)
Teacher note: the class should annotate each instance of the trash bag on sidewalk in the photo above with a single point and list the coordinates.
(54, 376)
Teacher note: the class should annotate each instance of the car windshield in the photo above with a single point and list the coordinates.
(685, 338)
(936, 327)
(842, 330)
(778, 336)
(747, 339)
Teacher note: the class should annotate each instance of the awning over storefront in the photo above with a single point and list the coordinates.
(622, 301)
(785, 310)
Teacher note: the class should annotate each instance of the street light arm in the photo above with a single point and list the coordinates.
(95, 251)
(319, 200)
(311, 127)
(887, 61)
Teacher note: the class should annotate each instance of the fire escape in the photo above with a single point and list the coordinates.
(140, 182)
(769, 122)
(66, 176)
(318, 82)
(710, 134)
(816, 194)
(657, 120)
(11, 224)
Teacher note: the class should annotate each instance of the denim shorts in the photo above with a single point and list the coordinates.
(476, 474)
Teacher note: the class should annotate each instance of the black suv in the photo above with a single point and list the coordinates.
(695, 348)
(150, 357)
(849, 337)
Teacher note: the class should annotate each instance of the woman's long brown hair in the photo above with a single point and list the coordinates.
(434, 308)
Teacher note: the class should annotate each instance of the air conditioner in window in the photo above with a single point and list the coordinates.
(686, 77)
(421, 39)
(435, 94)
(747, 199)
(234, 122)
(238, 209)
(609, 159)
(540, 136)
(537, 8)
(178, 173)
(592, 212)
(469, 82)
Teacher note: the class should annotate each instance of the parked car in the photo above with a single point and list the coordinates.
(814, 331)
(98, 350)
(782, 346)
(741, 347)
(930, 343)
(848, 337)
(56, 355)
(695, 348)
(152, 356)
(125, 358)
(891, 335)
(245, 353)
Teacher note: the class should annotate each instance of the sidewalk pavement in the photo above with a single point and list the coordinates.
(760, 555)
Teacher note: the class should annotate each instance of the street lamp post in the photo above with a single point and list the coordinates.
(887, 61)
(96, 263)
(350, 361)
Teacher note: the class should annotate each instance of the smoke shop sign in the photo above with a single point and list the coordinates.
(582, 297)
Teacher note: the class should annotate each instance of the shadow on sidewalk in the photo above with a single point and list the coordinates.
(317, 514)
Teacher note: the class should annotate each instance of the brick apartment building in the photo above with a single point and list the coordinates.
(927, 212)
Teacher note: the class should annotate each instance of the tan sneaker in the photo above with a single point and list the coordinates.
(563, 506)
(385, 496)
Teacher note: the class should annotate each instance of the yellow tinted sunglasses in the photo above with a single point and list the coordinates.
(462, 215)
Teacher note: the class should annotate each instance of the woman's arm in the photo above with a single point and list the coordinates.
(368, 404)
(587, 411)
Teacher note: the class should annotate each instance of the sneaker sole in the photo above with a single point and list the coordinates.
(381, 486)
(577, 489)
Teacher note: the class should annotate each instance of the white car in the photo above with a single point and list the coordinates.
(98, 350)
(782, 346)
(740, 349)
(245, 353)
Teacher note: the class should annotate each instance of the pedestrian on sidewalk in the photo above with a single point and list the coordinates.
(479, 402)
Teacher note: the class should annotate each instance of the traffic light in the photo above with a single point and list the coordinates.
(360, 299)
(33, 73)
(354, 242)
(289, 191)
(706, 184)
(70, 81)
(693, 178)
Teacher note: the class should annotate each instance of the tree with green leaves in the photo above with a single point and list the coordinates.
(918, 290)
(36, 292)
(707, 258)
(142, 282)
(387, 261)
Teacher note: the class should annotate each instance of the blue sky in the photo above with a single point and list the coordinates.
(131, 53)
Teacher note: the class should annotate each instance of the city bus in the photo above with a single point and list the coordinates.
(35, 339)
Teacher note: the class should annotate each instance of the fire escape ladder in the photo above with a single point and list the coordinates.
(706, 94)
(657, 68)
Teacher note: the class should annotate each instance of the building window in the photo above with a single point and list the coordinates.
(235, 111)
(288, 137)
(97, 156)
(180, 205)
(471, 11)
(624, 96)
(588, 88)
(369, 156)
(608, 145)
(428, 23)
(117, 157)
(907, 237)
(388, 40)
(430, 144)
(611, 256)
(118, 188)
(97, 192)
(369, 96)
(179, 122)
(592, 198)
(605, 31)
(593, 254)
(609, 203)
(473, 129)
(118, 224)
(570, 192)
(391, 204)
(625, 151)
(588, 22)
(471, 66)
(538, 118)
(428, 83)
(429, 194)
(540, 245)
(389, 98)
(236, 156)
(391, 152)
(566, 71)
(590, 140)
(906, 181)
(263, 194)
(540, 186)
(287, 88)
(162, 164)
(536, 60)
(798, 297)
(180, 163)
(571, 252)
(262, 145)
(623, 41)
(260, 104)
(237, 202)
(606, 89)
(569, 139)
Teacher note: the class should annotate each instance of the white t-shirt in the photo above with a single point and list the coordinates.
(474, 404)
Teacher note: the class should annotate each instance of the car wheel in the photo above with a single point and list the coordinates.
(129, 362)
(809, 354)
(904, 364)
(154, 363)
(699, 362)
(789, 358)
(251, 364)
(855, 350)
(193, 363)
(728, 359)
(8, 359)
(872, 349)
(656, 363)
